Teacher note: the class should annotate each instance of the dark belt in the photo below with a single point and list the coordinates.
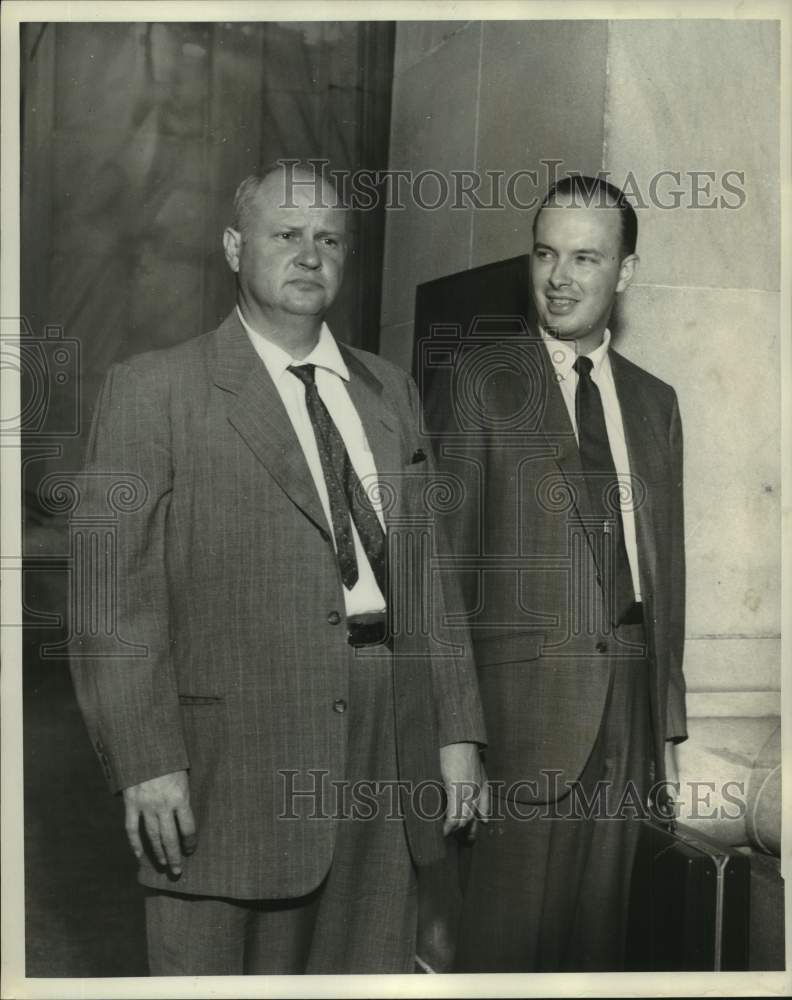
(633, 615)
(368, 630)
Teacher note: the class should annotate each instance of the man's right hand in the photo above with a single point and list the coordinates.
(163, 804)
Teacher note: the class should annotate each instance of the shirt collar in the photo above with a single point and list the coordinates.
(563, 354)
(325, 354)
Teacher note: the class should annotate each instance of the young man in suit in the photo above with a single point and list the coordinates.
(274, 742)
(573, 486)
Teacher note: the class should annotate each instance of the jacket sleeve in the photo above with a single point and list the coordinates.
(676, 717)
(459, 714)
(123, 672)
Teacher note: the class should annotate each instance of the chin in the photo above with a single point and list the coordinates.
(305, 309)
(309, 305)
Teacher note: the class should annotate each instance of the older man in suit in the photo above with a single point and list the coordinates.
(275, 744)
(572, 552)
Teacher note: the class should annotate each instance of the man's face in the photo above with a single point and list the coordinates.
(577, 270)
(290, 259)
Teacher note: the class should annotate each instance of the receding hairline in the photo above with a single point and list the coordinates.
(252, 186)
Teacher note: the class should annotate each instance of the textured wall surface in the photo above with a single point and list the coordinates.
(636, 98)
(704, 315)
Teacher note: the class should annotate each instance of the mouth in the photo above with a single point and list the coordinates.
(306, 284)
(559, 305)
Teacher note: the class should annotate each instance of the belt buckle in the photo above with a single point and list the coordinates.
(634, 615)
(369, 630)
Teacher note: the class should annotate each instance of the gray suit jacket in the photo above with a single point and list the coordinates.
(529, 579)
(227, 575)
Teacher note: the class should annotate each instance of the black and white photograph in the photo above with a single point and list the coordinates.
(396, 498)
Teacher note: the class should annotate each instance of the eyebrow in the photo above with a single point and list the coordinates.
(281, 226)
(592, 251)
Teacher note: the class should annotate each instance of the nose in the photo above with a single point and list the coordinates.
(559, 275)
(308, 256)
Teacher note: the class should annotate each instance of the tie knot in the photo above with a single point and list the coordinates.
(305, 373)
(583, 366)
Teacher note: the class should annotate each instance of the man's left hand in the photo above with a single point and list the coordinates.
(467, 792)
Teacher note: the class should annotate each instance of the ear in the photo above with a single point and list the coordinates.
(627, 270)
(232, 246)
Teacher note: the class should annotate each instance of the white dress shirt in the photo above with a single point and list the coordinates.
(331, 376)
(563, 356)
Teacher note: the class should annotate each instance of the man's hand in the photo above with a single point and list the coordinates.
(163, 803)
(467, 792)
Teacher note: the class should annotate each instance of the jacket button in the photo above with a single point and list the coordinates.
(333, 618)
(340, 706)
(601, 647)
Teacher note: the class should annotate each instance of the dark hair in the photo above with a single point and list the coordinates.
(587, 191)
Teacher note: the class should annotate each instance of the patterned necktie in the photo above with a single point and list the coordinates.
(344, 490)
(603, 488)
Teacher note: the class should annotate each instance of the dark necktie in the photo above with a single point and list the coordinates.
(603, 488)
(344, 490)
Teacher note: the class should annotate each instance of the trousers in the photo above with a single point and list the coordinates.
(547, 888)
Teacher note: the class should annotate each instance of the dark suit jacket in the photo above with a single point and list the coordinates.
(528, 573)
(227, 575)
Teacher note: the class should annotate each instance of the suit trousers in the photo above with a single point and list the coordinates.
(547, 885)
(361, 919)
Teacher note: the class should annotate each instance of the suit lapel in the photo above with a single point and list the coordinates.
(645, 450)
(258, 414)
